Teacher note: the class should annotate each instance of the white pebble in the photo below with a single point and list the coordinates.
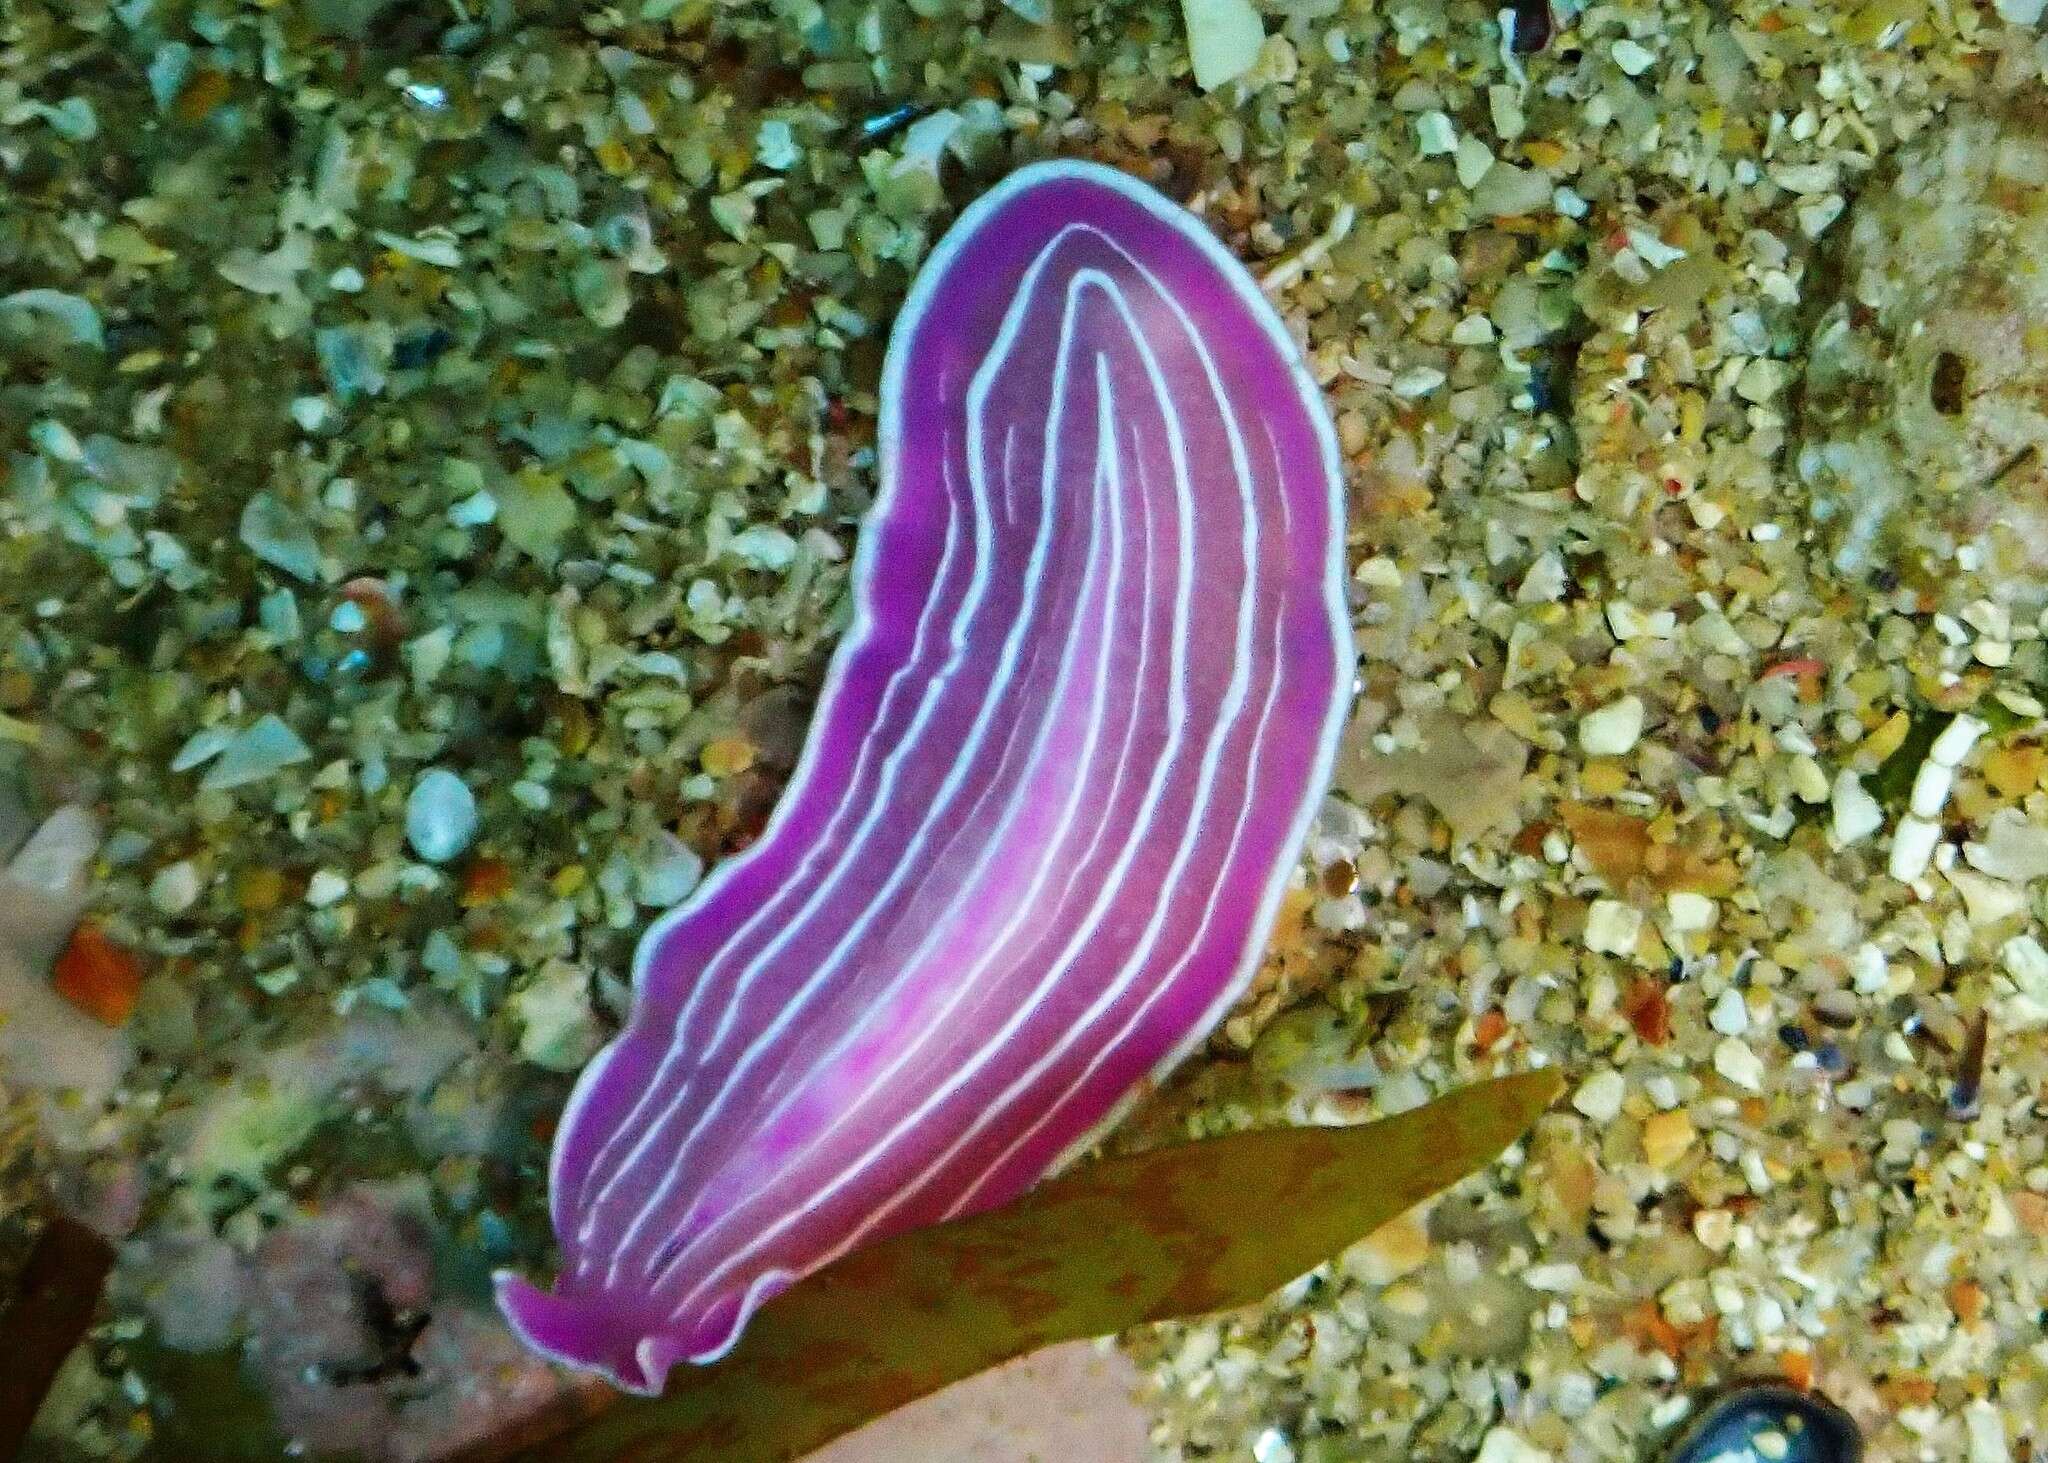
(1730, 1015)
(1987, 1433)
(1816, 214)
(1869, 969)
(1856, 813)
(1913, 847)
(324, 888)
(2027, 963)
(1613, 927)
(1931, 786)
(1632, 57)
(1434, 135)
(668, 872)
(1599, 1096)
(1689, 912)
(1378, 572)
(1761, 380)
(1417, 381)
(1402, 1092)
(1474, 159)
(175, 888)
(1502, 1446)
(1545, 580)
(1736, 1062)
(1613, 729)
(1955, 741)
(1473, 330)
(440, 816)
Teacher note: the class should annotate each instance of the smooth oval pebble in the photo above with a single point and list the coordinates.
(1060, 772)
(440, 816)
(1748, 1425)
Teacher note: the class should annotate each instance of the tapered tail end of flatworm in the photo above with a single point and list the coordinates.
(1057, 782)
(597, 1333)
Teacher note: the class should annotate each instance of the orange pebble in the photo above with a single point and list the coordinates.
(1798, 1369)
(485, 880)
(98, 976)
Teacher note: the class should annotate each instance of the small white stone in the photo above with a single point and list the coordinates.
(1857, 814)
(1988, 618)
(1632, 57)
(1806, 177)
(1561, 1278)
(1474, 160)
(1613, 927)
(1575, 1394)
(1730, 1013)
(1762, 379)
(1736, 1062)
(668, 871)
(1671, 1411)
(324, 888)
(1956, 739)
(1417, 381)
(1473, 330)
(1931, 786)
(775, 145)
(1987, 901)
(440, 816)
(1690, 912)
(2019, 12)
(1599, 1096)
(1224, 39)
(1816, 214)
(1987, 1433)
(1503, 1446)
(1545, 580)
(1613, 729)
(175, 888)
(1652, 250)
(1913, 848)
(1434, 135)
(2027, 963)
(1629, 623)
(474, 511)
(1272, 1446)
(1869, 971)
(1379, 572)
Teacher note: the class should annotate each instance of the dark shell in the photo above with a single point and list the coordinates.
(1533, 26)
(1814, 1429)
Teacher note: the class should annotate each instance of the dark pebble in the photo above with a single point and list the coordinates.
(1533, 26)
(1814, 1429)
(421, 348)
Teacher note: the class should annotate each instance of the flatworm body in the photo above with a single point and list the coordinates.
(1060, 772)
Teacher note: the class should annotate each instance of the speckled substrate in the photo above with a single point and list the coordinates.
(489, 389)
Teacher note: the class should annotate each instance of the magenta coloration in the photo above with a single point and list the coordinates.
(1061, 770)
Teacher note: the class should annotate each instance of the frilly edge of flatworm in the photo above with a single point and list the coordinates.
(627, 1334)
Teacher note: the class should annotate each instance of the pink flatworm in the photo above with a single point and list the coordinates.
(1059, 775)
